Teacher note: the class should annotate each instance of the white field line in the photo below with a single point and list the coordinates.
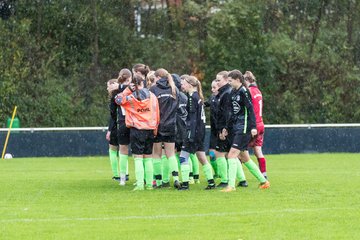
(172, 216)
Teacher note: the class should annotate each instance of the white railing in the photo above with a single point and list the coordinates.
(332, 125)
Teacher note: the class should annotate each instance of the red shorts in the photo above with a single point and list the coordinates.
(258, 140)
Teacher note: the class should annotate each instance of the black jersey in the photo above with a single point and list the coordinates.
(243, 117)
(212, 103)
(223, 99)
(113, 113)
(120, 109)
(181, 115)
(168, 106)
(195, 121)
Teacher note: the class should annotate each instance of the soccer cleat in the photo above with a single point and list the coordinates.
(177, 184)
(222, 185)
(228, 189)
(122, 182)
(183, 188)
(243, 184)
(116, 179)
(157, 187)
(210, 187)
(191, 181)
(165, 185)
(127, 177)
(138, 188)
(264, 185)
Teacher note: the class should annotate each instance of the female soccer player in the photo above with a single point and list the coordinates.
(195, 125)
(168, 97)
(142, 117)
(124, 80)
(111, 134)
(142, 70)
(243, 127)
(257, 101)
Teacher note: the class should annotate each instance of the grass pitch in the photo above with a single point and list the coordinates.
(312, 196)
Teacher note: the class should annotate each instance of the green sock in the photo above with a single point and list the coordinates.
(165, 169)
(195, 164)
(207, 171)
(213, 165)
(114, 162)
(139, 172)
(157, 170)
(254, 169)
(123, 163)
(174, 169)
(222, 169)
(149, 171)
(232, 171)
(177, 155)
(185, 170)
(191, 174)
(240, 175)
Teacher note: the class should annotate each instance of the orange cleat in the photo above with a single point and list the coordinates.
(264, 185)
(228, 189)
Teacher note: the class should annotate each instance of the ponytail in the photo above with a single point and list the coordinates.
(172, 85)
(199, 89)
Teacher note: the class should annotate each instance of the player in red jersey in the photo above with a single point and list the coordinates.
(257, 102)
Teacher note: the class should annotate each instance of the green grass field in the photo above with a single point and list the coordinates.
(312, 196)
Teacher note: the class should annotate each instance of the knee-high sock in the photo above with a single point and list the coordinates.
(222, 169)
(207, 171)
(185, 167)
(195, 164)
(213, 162)
(240, 175)
(177, 155)
(174, 168)
(262, 165)
(165, 169)
(254, 169)
(149, 171)
(139, 172)
(123, 164)
(114, 162)
(232, 171)
(191, 174)
(157, 171)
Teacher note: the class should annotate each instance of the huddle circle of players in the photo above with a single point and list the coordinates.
(161, 117)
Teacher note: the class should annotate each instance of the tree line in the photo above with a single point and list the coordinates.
(56, 56)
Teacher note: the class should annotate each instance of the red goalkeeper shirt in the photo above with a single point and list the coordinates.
(257, 101)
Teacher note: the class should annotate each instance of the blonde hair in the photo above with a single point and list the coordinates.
(193, 81)
(111, 81)
(162, 73)
(249, 76)
(150, 79)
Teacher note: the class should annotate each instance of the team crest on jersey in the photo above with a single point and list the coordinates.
(237, 98)
(236, 107)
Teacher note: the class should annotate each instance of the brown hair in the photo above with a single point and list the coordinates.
(142, 68)
(124, 75)
(223, 74)
(249, 76)
(193, 81)
(162, 73)
(137, 80)
(236, 74)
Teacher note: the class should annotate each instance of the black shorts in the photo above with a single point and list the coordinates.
(123, 135)
(141, 141)
(213, 140)
(167, 139)
(241, 141)
(223, 145)
(113, 137)
(178, 146)
(193, 147)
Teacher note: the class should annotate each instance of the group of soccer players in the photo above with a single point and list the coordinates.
(161, 116)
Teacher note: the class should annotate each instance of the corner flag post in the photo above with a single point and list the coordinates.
(8, 134)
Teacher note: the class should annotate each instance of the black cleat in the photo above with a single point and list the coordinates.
(210, 186)
(222, 185)
(116, 179)
(184, 186)
(157, 187)
(165, 185)
(127, 177)
(177, 184)
(243, 184)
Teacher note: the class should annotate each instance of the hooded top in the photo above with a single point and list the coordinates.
(168, 106)
(140, 114)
